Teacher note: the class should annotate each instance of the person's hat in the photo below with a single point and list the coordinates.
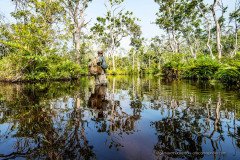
(100, 52)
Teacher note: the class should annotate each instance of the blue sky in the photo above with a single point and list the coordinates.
(143, 9)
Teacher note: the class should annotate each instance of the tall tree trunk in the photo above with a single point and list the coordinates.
(76, 11)
(77, 44)
(159, 63)
(138, 64)
(133, 87)
(169, 40)
(133, 60)
(175, 42)
(236, 41)
(208, 41)
(113, 57)
(149, 62)
(192, 50)
(113, 62)
(209, 32)
(218, 29)
(236, 37)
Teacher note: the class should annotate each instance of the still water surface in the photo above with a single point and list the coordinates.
(131, 118)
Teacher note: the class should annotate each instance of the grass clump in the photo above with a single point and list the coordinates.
(202, 68)
(37, 67)
(229, 75)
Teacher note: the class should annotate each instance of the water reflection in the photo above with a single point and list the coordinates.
(131, 118)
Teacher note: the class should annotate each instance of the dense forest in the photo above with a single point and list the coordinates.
(52, 40)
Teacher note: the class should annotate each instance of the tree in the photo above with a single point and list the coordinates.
(204, 10)
(180, 18)
(190, 24)
(218, 22)
(34, 31)
(169, 20)
(75, 20)
(235, 16)
(136, 42)
(155, 45)
(112, 28)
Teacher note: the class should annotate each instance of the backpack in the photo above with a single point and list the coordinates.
(94, 69)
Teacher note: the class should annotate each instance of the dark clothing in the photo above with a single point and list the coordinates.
(101, 79)
(102, 62)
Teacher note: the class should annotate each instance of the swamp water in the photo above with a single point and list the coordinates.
(131, 118)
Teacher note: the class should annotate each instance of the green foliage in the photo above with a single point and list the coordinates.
(64, 69)
(170, 70)
(237, 56)
(202, 68)
(231, 62)
(30, 47)
(37, 67)
(152, 70)
(172, 64)
(31, 34)
(178, 59)
(229, 75)
(125, 71)
(116, 25)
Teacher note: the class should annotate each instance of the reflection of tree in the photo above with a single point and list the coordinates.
(125, 122)
(176, 136)
(42, 132)
(233, 130)
(187, 125)
(185, 132)
(110, 117)
(50, 120)
(76, 145)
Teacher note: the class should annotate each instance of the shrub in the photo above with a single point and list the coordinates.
(37, 67)
(228, 75)
(171, 69)
(152, 70)
(233, 62)
(237, 56)
(202, 68)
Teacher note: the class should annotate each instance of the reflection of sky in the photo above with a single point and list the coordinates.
(140, 140)
(143, 9)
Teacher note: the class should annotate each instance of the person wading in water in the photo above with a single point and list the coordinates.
(98, 68)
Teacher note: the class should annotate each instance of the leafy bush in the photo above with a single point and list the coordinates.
(123, 71)
(171, 69)
(177, 58)
(152, 70)
(202, 68)
(37, 67)
(233, 62)
(237, 56)
(228, 75)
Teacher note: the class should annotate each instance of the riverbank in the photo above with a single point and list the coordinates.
(31, 68)
(226, 71)
(36, 68)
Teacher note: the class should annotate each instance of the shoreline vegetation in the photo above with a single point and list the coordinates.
(47, 42)
(33, 69)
